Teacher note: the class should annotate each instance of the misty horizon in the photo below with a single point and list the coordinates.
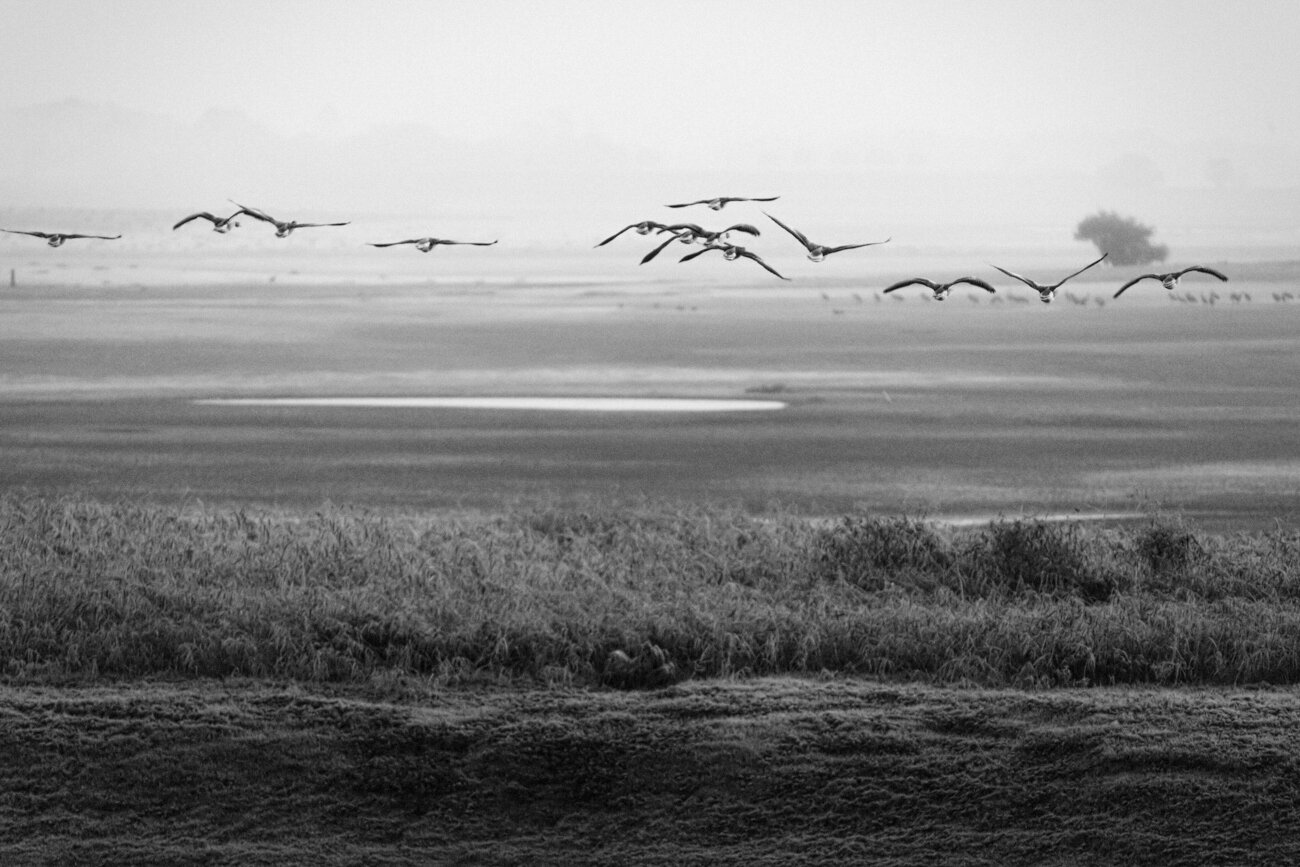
(948, 123)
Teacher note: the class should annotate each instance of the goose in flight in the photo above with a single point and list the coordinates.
(941, 290)
(1048, 292)
(721, 201)
(818, 252)
(731, 252)
(424, 245)
(220, 225)
(645, 227)
(282, 228)
(56, 239)
(689, 233)
(1170, 280)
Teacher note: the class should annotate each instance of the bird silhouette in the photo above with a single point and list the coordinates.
(941, 290)
(1170, 280)
(1046, 292)
(720, 202)
(282, 228)
(689, 233)
(818, 252)
(56, 239)
(424, 245)
(645, 227)
(220, 225)
(731, 252)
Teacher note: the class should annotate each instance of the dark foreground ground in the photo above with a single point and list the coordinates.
(771, 771)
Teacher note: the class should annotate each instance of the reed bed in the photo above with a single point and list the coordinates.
(633, 597)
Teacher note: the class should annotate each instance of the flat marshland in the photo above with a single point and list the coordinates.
(854, 629)
(957, 409)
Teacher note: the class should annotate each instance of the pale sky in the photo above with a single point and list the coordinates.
(1184, 94)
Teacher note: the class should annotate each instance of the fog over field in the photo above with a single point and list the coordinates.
(935, 122)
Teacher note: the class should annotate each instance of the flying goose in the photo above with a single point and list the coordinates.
(721, 201)
(56, 239)
(1048, 292)
(645, 227)
(731, 252)
(424, 245)
(818, 252)
(941, 290)
(220, 225)
(689, 233)
(1170, 280)
(282, 228)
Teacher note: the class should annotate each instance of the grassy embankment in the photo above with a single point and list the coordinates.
(634, 598)
(331, 736)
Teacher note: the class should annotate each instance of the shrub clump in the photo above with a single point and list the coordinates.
(868, 552)
(1040, 556)
(1167, 550)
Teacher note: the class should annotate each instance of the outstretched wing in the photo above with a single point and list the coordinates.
(690, 256)
(915, 281)
(395, 243)
(1204, 270)
(469, 243)
(974, 281)
(255, 213)
(34, 234)
(828, 250)
(202, 214)
(616, 234)
(1124, 288)
(657, 250)
(1024, 280)
(1084, 268)
(756, 258)
(297, 225)
(688, 204)
(742, 227)
(798, 236)
(767, 199)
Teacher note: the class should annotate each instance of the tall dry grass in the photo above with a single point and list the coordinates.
(633, 597)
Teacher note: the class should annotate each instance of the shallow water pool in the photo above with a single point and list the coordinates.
(552, 404)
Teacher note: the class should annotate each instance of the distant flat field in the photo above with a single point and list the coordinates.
(957, 409)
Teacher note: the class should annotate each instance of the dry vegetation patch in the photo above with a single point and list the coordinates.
(633, 597)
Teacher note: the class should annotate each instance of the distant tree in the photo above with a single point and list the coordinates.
(1123, 238)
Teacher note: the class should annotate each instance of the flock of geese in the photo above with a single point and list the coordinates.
(690, 233)
(222, 225)
(685, 233)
